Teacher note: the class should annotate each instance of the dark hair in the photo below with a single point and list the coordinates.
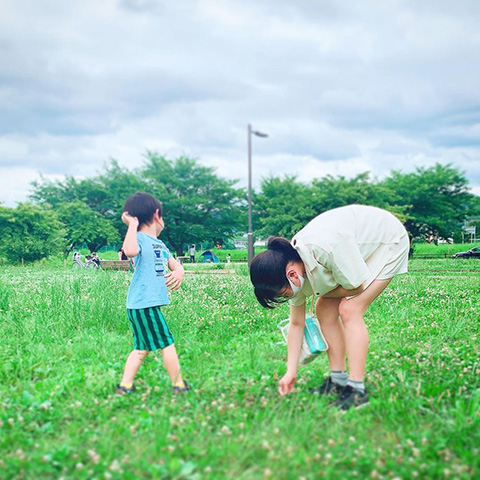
(267, 271)
(143, 206)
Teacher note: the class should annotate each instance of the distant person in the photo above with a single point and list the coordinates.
(142, 214)
(121, 254)
(95, 259)
(191, 251)
(77, 259)
(229, 258)
(346, 257)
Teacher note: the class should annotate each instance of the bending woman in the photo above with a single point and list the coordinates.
(346, 257)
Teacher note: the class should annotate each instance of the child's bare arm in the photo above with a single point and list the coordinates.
(174, 278)
(130, 245)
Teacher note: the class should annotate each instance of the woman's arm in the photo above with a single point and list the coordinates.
(341, 292)
(294, 343)
(173, 279)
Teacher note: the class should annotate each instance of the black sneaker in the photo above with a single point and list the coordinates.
(121, 390)
(350, 397)
(327, 388)
(177, 390)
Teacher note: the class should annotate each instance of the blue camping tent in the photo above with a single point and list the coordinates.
(209, 256)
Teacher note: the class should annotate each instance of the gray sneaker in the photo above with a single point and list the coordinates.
(327, 388)
(351, 398)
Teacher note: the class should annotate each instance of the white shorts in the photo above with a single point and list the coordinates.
(387, 262)
(399, 260)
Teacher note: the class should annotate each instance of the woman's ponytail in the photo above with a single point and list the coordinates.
(282, 245)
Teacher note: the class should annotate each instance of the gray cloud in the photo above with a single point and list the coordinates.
(340, 87)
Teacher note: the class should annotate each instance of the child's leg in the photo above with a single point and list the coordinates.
(132, 365)
(327, 313)
(170, 360)
(356, 335)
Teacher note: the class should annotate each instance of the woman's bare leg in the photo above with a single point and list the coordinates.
(327, 313)
(356, 335)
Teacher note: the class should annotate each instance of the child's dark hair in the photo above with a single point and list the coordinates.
(143, 206)
(267, 271)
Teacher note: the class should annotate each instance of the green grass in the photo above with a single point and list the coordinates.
(65, 338)
(441, 248)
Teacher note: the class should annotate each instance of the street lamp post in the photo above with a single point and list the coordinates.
(251, 251)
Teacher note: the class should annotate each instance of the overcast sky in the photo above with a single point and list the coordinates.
(341, 87)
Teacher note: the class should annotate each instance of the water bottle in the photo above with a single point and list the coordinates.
(313, 336)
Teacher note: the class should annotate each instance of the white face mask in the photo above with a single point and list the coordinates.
(296, 290)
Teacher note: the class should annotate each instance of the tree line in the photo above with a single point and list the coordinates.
(201, 207)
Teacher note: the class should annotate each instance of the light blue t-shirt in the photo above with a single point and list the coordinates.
(147, 288)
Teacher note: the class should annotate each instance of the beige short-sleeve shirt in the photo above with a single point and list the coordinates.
(349, 246)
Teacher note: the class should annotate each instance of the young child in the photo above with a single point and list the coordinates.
(346, 257)
(142, 214)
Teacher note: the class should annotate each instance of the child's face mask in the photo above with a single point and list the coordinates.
(296, 290)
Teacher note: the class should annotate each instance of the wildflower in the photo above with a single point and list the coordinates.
(225, 430)
(115, 466)
(94, 456)
(20, 454)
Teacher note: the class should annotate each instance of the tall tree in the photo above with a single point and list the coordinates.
(104, 193)
(284, 206)
(333, 192)
(437, 198)
(84, 225)
(30, 232)
(197, 204)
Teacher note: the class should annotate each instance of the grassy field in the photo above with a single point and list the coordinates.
(240, 255)
(64, 339)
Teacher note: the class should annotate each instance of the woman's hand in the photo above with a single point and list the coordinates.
(286, 383)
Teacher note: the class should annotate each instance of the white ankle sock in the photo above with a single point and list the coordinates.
(339, 377)
(360, 386)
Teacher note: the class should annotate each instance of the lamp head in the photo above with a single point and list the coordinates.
(260, 134)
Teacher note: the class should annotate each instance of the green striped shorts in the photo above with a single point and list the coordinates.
(150, 329)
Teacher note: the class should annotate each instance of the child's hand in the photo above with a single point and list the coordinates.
(173, 279)
(286, 383)
(128, 220)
